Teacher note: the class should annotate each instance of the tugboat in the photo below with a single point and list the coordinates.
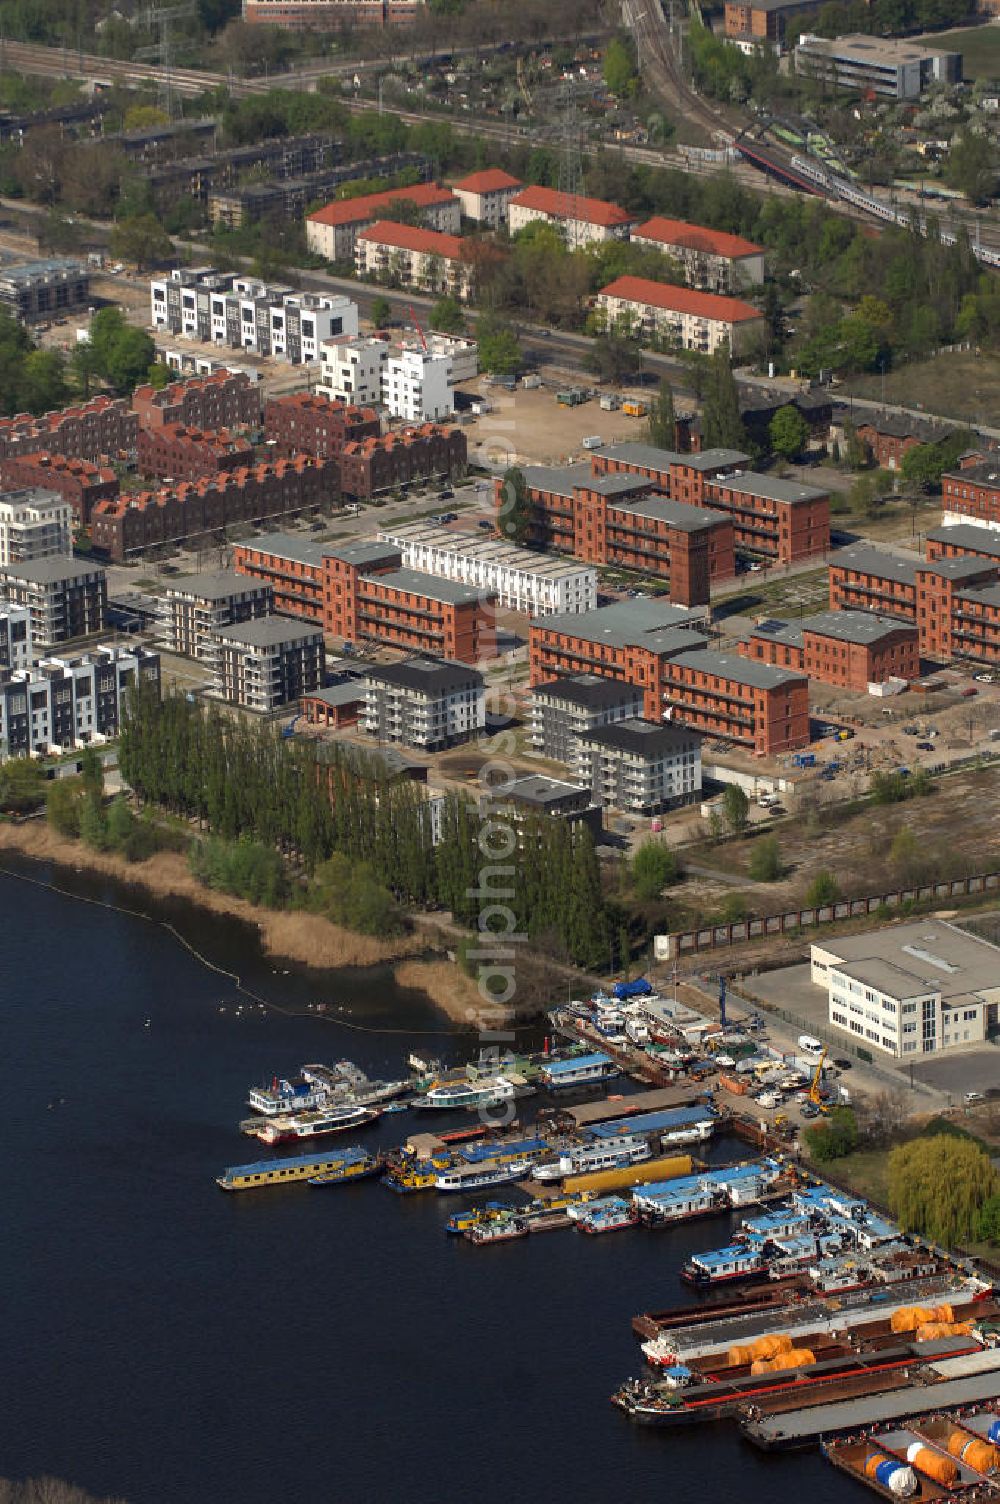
(460, 1222)
(497, 1230)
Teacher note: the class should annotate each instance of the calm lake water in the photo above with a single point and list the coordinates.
(165, 1342)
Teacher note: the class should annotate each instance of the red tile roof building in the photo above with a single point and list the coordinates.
(712, 260)
(175, 452)
(124, 527)
(305, 423)
(426, 259)
(486, 196)
(103, 428)
(680, 316)
(333, 230)
(79, 482)
(373, 465)
(582, 220)
(225, 399)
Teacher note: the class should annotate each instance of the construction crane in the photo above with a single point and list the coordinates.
(814, 1095)
(416, 324)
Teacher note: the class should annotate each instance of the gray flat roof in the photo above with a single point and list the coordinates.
(741, 670)
(430, 676)
(988, 594)
(560, 479)
(591, 691)
(653, 458)
(685, 518)
(288, 546)
(773, 487)
(965, 567)
(536, 788)
(436, 589)
(216, 586)
(643, 738)
(787, 632)
(935, 953)
(864, 559)
(365, 551)
(885, 976)
(50, 571)
(652, 624)
(36, 271)
(985, 540)
(348, 693)
(854, 626)
(918, 1399)
(269, 631)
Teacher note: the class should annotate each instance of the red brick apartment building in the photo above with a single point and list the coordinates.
(850, 649)
(780, 519)
(973, 492)
(175, 452)
(368, 466)
(614, 519)
(103, 428)
(226, 399)
(360, 591)
(889, 436)
(129, 524)
(764, 20)
(79, 482)
(954, 600)
(964, 540)
(660, 649)
(304, 423)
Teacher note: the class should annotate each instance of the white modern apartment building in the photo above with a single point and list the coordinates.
(910, 989)
(486, 196)
(268, 662)
(192, 611)
(522, 580)
(410, 256)
(15, 637)
(581, 221)
(68, 702)
(461, 351)
(680, 316)
(34, 524)
(351, 370)
(244, 314)
(639, 766)
(423, 702)
(416, 386)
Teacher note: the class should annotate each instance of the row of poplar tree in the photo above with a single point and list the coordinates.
(308, 799)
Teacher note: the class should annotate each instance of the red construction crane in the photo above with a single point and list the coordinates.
(416, 325)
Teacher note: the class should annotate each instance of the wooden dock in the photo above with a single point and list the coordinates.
(610, 1108)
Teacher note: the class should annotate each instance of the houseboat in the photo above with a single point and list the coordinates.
(606, 1214)
(481, 1176)
(284, 1171)
(497, 1230)
(721, 1265)
(347, 1082)
(356, 1164)
(470, 1096)
(460, 1222)
(578, 1070)
(628, 1150)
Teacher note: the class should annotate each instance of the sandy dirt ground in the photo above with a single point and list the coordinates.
(530, 427)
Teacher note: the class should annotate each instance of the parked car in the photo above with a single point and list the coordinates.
(810, 1110)
(984, 678)
(842, 1063)
(925, 746)
(973, 1096)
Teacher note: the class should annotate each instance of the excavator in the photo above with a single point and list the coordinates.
(814, 1095)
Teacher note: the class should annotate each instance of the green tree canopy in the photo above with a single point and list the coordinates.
(653, 867)
(765, 860)
(938, 1186)
(447, 316)
(661, 429)
(22, 786)
(381, 312)
(619, 69)
(142, 240)
(515, 508)
(788, 432)
(722, 425)
(499, 348)
(824, 889)
(736, 807)
(121, 353)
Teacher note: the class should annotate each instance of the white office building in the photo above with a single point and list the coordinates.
(428, 703)
(416, 386)
(351, 370)
(34, 524)
(910, 989)
(244, 314)
(522, 580)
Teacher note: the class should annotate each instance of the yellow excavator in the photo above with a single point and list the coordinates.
(814, 1095)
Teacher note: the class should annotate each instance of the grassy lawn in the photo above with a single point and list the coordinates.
(979, 46)
(960, 385)
(865, 1172)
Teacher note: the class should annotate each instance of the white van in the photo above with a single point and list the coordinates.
(810, 1046)
(593, 442)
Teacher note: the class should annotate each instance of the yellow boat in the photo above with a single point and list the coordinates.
(346, 1164)
(406, 1179)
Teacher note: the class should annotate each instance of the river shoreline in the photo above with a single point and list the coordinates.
(305, 939)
